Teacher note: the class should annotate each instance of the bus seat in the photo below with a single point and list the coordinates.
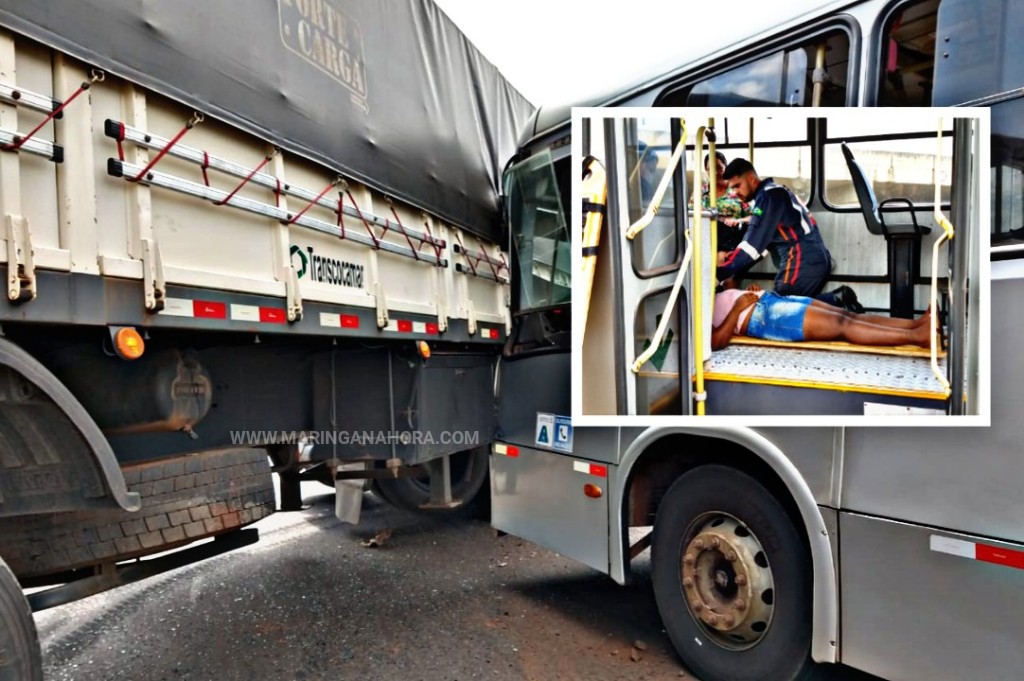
(903, 241)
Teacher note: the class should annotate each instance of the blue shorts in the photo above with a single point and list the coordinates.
(778, 318)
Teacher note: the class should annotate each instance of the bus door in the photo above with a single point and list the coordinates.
(548, 482)
(635, 276)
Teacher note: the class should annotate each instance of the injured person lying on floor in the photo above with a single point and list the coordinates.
(769, 316)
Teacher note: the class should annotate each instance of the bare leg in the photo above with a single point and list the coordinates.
(823, 324)
(880, 320)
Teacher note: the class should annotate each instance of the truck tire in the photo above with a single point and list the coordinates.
(469, 470)
(184, 498)
(20, 656)
(732, 579)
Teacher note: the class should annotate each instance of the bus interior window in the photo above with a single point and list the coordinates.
(908, 56)
(837, 61)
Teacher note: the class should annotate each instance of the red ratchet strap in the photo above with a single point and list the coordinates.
(120, 141)
(434, 243)
(204, 167)
(196, 119)
(309, 205)
(265, 161)
(341, 220)
(490, 261)
(401, 228)
(19, 141)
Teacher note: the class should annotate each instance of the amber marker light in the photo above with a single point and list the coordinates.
(592, 491)
(129, 343)
(424, 349)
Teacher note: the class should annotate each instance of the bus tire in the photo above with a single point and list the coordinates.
(469, 470)
(184, 499)
(732, 579)
(20, 656)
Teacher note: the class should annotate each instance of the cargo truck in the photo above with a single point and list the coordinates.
(236, 243)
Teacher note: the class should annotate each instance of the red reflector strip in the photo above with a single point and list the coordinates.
(982, 552)
(513, 451)
(209, 310)
(272, 315)
(432, 329)
(349, 321)
(590, 468)
(992, 554)
(404, 326)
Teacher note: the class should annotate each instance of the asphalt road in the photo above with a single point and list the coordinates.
(441, 599)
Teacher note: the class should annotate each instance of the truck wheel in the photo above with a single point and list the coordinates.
(469, 470)
(20, 657)
(732, 579)
(184, 498)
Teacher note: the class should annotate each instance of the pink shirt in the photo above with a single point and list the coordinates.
(725, 301)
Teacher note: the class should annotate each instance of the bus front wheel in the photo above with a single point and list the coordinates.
(732, 579)
(20, 656)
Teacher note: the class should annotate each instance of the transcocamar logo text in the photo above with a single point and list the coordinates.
(317, 268)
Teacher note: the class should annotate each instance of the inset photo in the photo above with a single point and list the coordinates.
(783, 267)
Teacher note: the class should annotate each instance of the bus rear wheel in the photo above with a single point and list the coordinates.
(20, 656)
(732, 579)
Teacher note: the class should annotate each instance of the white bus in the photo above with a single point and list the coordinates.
(898, 551)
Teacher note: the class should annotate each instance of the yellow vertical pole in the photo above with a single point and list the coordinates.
(819, 75)
(713, 197)
(698, 275)
(750, 144)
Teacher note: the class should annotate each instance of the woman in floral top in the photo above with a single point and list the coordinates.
(733, 213)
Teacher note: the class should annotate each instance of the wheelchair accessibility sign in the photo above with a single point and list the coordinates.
(554, 432)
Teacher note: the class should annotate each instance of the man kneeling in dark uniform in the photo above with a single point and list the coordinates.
(781, 226)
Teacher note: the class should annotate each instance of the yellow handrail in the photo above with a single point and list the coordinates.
(947, 233)
(699, 395)
(659, 193)
(670, 304)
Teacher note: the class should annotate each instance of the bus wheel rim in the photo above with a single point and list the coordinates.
(727, 582)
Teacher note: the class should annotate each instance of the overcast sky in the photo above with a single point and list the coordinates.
(560, 50)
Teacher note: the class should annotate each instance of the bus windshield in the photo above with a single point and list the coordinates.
(536, 217)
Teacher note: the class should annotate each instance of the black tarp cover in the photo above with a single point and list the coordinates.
(388, 92)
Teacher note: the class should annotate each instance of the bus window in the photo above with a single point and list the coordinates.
(1008, 173)
(950, 52)
(657, 247)
(785, 78)
(980, 51)
(908, 56)
(541, 240)
(896, 167)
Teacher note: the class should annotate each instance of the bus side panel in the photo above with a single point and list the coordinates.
(963, 479)
(538, 495)
(914, 610)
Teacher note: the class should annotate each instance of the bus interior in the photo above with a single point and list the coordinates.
(884, 237)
